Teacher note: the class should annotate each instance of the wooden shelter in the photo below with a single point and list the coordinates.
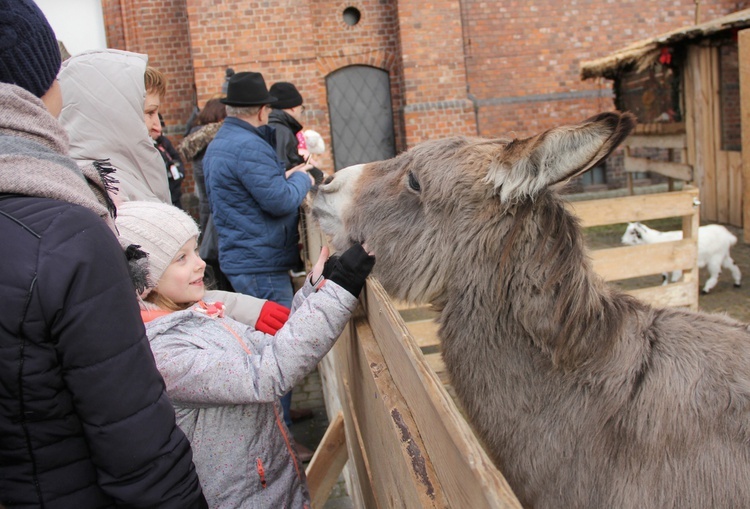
(690, 89)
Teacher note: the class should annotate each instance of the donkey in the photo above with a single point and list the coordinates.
(583, 396)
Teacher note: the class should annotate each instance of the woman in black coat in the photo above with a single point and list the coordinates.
(84, 417)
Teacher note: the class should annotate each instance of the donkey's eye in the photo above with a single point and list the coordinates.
(414, 183)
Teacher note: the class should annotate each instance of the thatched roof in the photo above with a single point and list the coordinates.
(644, 53)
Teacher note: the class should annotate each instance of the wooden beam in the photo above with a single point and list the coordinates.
(744, 57)
(636, 261)
(467, 475)
(677, 171)
(680, 294)
(327, 462)
(396, 458)
(635, 208)
(735, 188)
(656, 141)
(658, 128)
(424, 332)
(709, 128)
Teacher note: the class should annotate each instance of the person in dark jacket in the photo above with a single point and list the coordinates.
(84, 417)
(285, 118)
(172, 163)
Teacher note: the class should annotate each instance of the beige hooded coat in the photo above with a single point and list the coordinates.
(103, 97)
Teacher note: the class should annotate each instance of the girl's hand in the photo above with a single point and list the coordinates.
(317, 270)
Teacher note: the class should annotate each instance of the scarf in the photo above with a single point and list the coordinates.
(34, 158)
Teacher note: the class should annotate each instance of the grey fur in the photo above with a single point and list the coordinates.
(583, 396)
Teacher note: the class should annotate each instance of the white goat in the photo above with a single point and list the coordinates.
(714, 242)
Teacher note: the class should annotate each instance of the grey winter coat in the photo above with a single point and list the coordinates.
(225, 379)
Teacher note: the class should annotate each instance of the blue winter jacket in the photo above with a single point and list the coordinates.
(254, 206)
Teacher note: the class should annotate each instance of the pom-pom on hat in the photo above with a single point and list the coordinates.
(29, 53)
(287, 96)
(159, 229)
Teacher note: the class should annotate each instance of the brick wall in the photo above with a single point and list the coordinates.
(523, 57)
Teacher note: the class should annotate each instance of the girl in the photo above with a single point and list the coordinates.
(225, 377)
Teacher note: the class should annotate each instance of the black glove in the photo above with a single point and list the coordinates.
(350, 270)
(317, 174)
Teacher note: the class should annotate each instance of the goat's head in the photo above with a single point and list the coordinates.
(446, 205)
(634, 234)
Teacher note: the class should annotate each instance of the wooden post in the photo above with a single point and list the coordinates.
(327, 462)
(744, 57)
(630, 174)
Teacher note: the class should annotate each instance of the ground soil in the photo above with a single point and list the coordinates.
(723, 298)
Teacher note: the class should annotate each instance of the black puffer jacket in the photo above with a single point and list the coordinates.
(84, 418)
(287, 128)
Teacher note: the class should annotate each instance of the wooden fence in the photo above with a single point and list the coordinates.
(394, 423)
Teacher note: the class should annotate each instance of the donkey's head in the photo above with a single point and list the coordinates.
(445, 206)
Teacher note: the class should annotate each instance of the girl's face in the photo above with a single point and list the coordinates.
(182, 282)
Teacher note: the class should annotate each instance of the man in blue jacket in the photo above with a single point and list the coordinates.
(255, 201)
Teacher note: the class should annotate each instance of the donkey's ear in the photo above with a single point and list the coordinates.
(527, 166)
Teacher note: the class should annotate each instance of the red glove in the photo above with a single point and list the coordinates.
(272, 317)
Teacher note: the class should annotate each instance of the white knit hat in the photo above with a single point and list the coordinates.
(160, 229)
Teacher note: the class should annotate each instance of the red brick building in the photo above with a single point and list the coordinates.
(423, 69)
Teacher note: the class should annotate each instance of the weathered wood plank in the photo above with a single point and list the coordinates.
(394, 449)
(424, 332)
(668, 169)
(635, 208)
(358, 474)
(467, 475)
(658, 128)
(709, 129)
(744, 58)
(680, 294)
(678, 141)
(327, 462)
(635, 261)
(734, 161)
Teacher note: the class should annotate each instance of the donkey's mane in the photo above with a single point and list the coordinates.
(582, 318)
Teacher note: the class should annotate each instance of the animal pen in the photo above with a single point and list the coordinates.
(394, 423)
(690, 89)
